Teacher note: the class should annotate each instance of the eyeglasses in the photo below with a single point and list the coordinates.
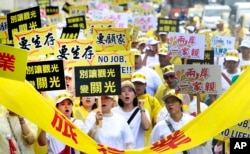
(171, 76)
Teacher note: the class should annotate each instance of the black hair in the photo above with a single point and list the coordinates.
(94, 105)
(121, 104)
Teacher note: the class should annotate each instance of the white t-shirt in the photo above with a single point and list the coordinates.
(56, 146)
(151, 59)
(115, 132)
(135, 125)
(162, 130)
(224, 84)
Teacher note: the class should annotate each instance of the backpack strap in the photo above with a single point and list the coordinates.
(226, 78)
(133, 115)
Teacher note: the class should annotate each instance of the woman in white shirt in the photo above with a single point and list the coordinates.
(129, 105)
(176, 120)
(114, 131)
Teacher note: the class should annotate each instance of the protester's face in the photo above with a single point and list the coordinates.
(138, 62)
(65, 107)
(170, 79)
(245, 51)
(107, 103)
(163, 37)
(140, 88)
(164, 60)
(173, 105)
(127, 95)
(231, 65)
(88, 101)
(154, 48)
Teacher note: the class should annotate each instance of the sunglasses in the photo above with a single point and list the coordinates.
(171, 76)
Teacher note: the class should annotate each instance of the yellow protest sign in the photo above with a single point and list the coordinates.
(74, 49)
(119, 2)
(190, 135)
(35, 39)
(207, 38)
(54, 19)
(97, 24)
(76, 10)
(240, 130)
(13, 63)
(4, 31)
(111, 39)
(123, 58)
(134, 31)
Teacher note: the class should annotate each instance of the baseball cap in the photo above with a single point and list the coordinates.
(152, 41)
(128, 83)
(245, 43)
(168, 69)
(138, 77)
(135, 51)
(163, 51)
(162, 33)
(172, 93)
(62, 96)
(232, 55)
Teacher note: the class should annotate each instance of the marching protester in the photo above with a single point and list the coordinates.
(175, 120)
(170, 82)
(86, 105)
(244, 54)
(134, 112)
(152, 78)
(149, 102)
(64, 103)
(164, 60)
(17, 135)
(110, 128)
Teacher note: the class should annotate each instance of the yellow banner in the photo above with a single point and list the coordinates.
(212, 119)
(13, 63)
(111, 39)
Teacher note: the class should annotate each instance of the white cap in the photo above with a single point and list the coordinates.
(152, 41)
(245, 43)
(232, 55)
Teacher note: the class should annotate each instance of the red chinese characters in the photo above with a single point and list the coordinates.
(171, 142)
(109, 150)
(62, 125)
(7, 61)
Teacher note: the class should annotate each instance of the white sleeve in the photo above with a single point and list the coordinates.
(160, 131)
(89, 122)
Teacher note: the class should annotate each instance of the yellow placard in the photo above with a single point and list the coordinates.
(119, 2)
(3, 24)
(76, 10)
(72, 50)
(97, 24)
(124, 58)
(111, 39)
(35, 39)
(54, 19)
(13, 63)
(208, 39)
